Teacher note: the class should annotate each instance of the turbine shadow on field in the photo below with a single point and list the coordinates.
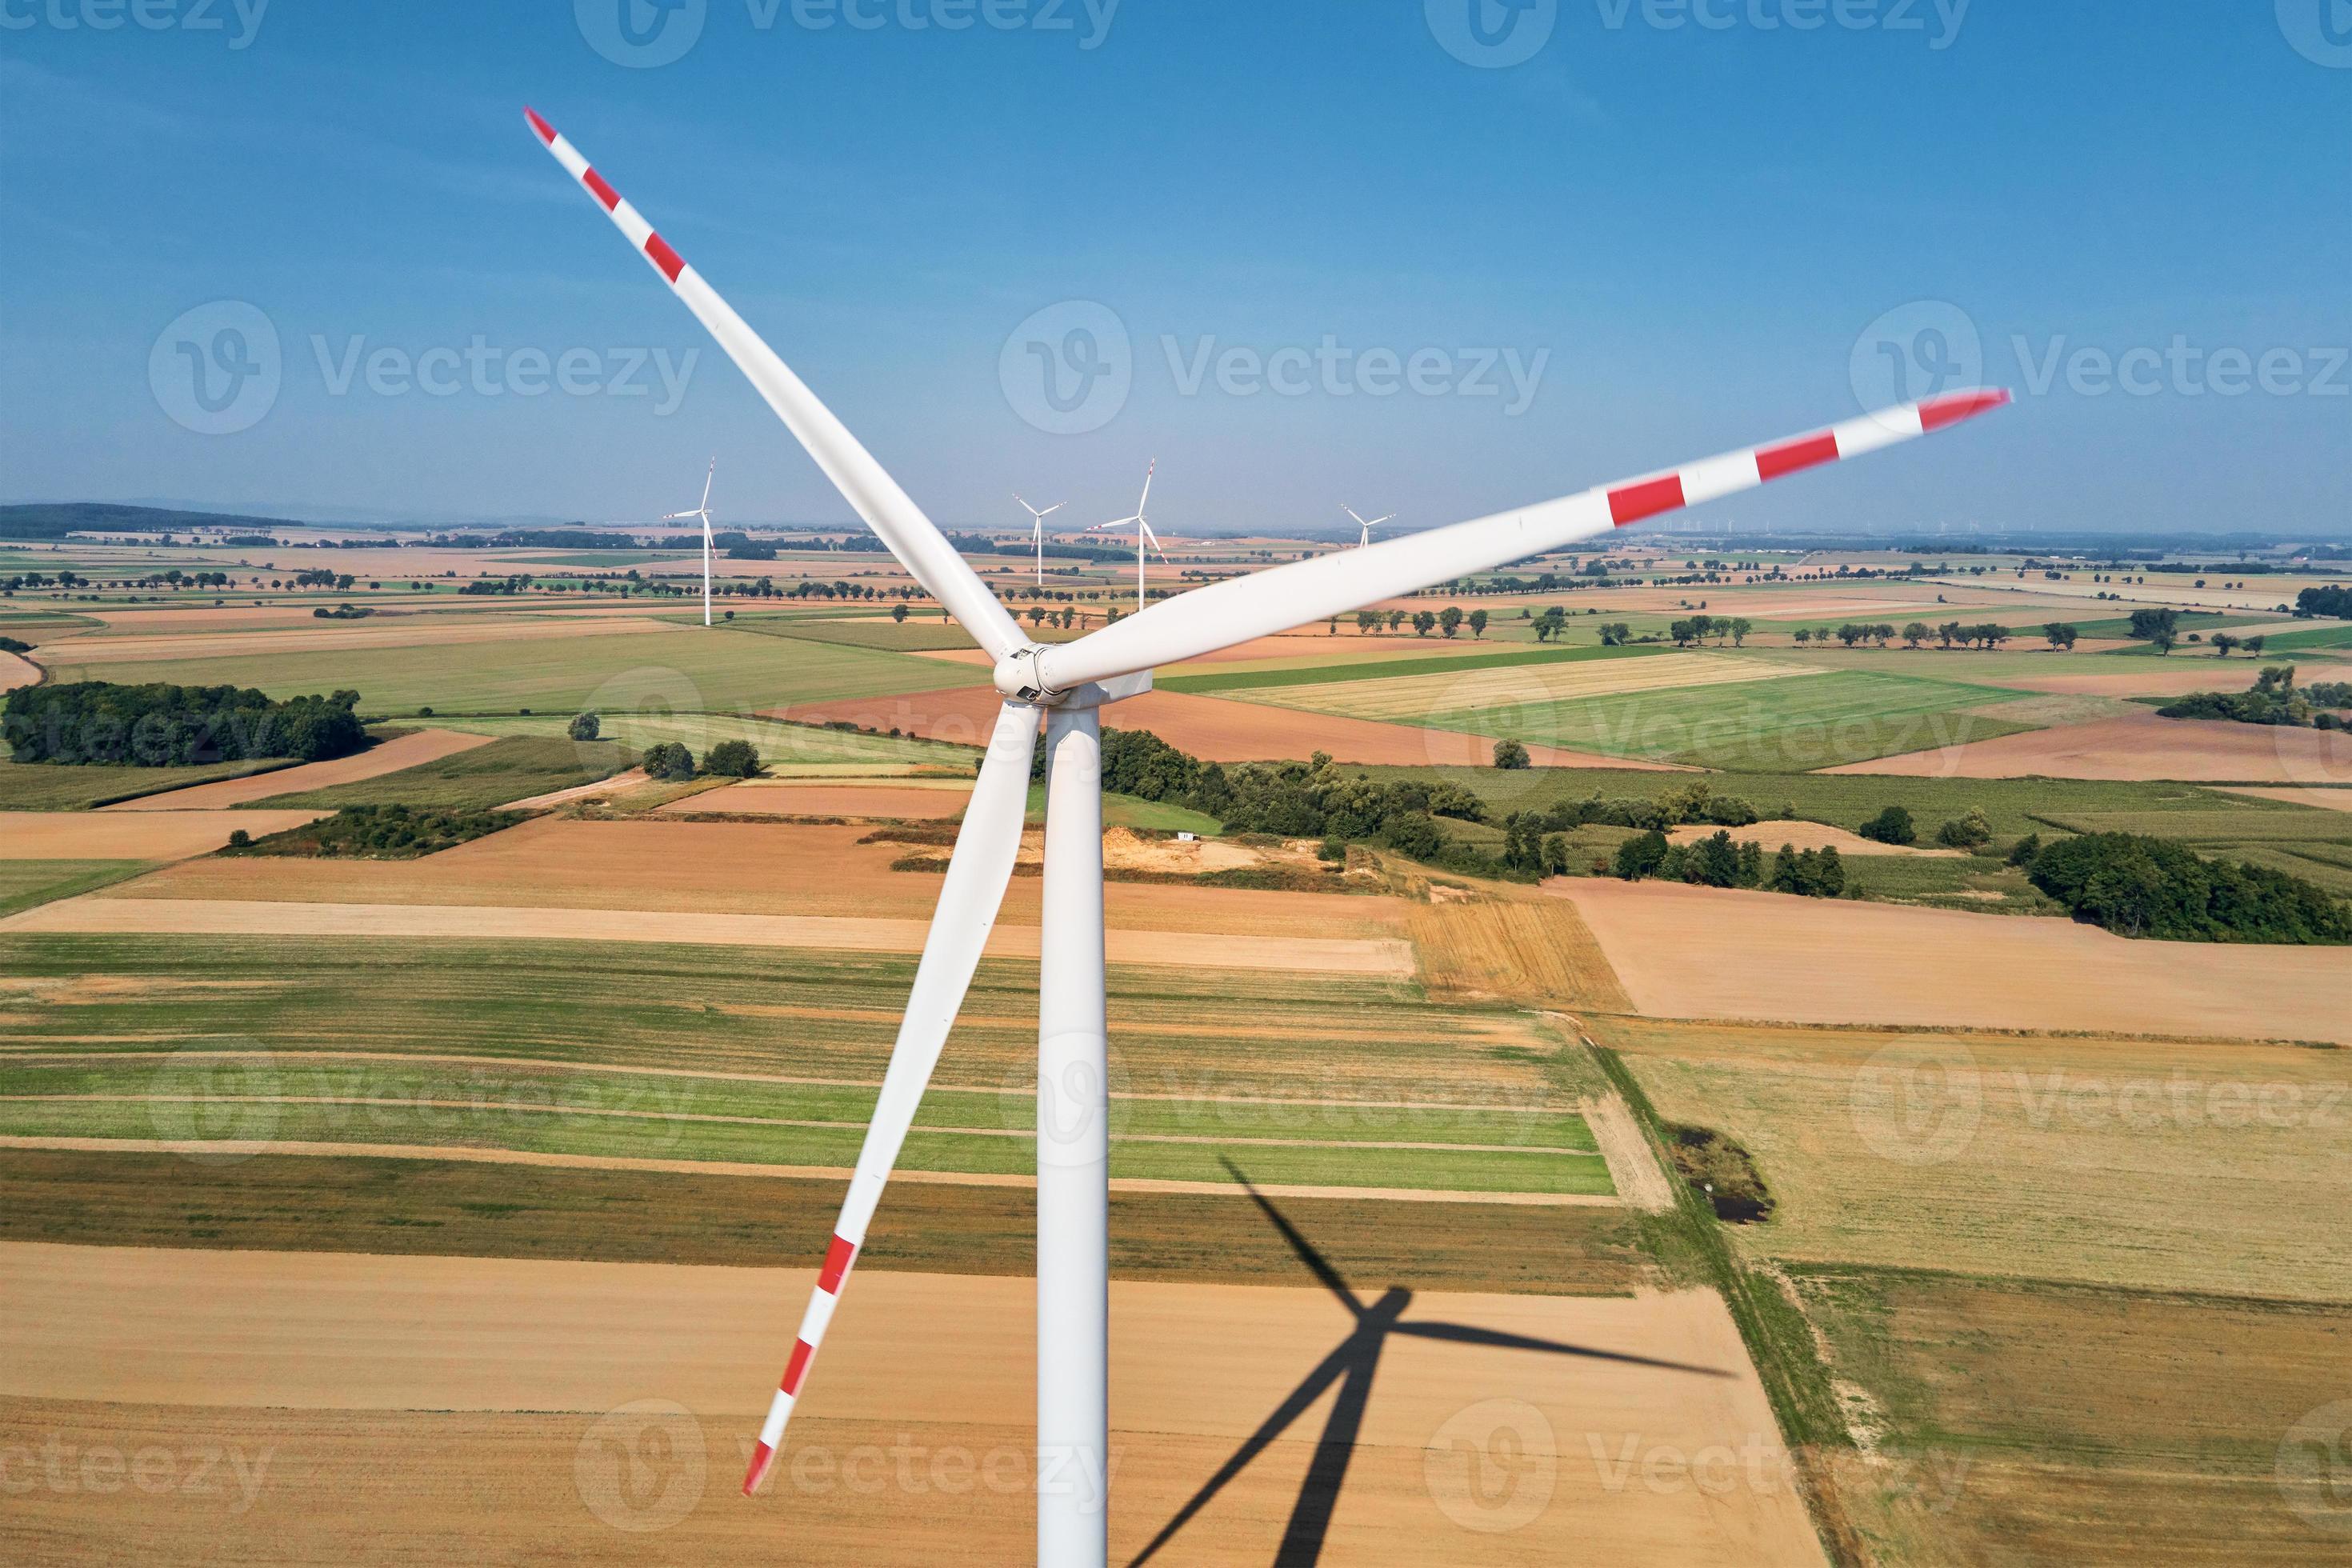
(1351, 1367)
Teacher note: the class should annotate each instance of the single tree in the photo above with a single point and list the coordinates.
(1423, 623)
(1478, 623)
(1893, 826)
(2222, 643)
(1367, 622)
(899, 613)
(669, 761)
(1449, 620)
(732, 759)
(1740, 627)
(1510, 756)
(586, 727)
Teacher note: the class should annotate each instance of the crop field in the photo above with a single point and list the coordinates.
(2007, 1435)
(24, 884)
(683, 670)
(2140, 747)
(1764, 725)
(785, 749)
(1491, 694)
(2037, 1156)
(1381, 664)
(765, 1058)
(44, 786)
(477, 779)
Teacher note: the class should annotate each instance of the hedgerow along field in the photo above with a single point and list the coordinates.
(784, 747)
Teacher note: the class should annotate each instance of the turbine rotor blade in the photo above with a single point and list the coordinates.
(1264, 603)
(868, 488)
(986, 847)
(1142, 505)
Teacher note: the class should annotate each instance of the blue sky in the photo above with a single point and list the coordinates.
(1686, 226)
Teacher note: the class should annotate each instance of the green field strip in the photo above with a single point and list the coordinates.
(770, 1144)
(27, 884)
(54, 787)
(1395, 668)
(1791, 725)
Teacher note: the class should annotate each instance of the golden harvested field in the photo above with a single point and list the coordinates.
(386, 757)
(193, 917)
(1537, 951)
(2326, 799)
(755, 798)
(2174, 677)
(1809, 835)
(1216, 729)
(1508, 686)
(568, 1410)
(757, 868)
(128, 835)
(2158, 1164)
(1703, 953)
(17, 671)
(333, 636)
(2138, 748)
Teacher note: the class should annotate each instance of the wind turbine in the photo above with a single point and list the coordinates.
(1143, 532)
(1037, 531)
(1066, 685)
(1367, 527)
(702, 511)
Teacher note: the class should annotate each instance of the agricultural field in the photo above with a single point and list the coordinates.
(42, 786)
(479, 778)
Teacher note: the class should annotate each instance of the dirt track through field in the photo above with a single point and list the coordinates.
(1216, 729)
(2149, 748)
(390, 757)
(191, 917)
(145, 836)
(1699, 952)
(588, 1402)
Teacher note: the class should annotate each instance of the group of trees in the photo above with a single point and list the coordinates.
(343, 613)
(1717, 861)
(2274, 698)
(2141, 887)
(2334, 600)
(1951, 633)
(379, 833)
(1971, 831)
(161, 725)
(1449, 620)
(671, 763)
(1698, 628)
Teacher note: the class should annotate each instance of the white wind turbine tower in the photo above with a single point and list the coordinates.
(1367, 527)
(1143, 532)
(702, 511)
(1065, 685)
(1037, 531)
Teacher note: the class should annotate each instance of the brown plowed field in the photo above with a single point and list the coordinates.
(2189, 751)
(1213, 728)
(569, 1411)
(1699, 952)
(144, 836)
(391, 756)
(17, 671)
(756, 799)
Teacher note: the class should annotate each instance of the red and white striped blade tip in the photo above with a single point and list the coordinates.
(1936, 413)
(761, 1457)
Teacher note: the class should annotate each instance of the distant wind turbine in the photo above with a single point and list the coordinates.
(1367, 527)
(1037, 531)
(1143, 532)
(702, 511)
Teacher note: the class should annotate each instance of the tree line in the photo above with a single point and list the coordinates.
(161, 725)
(2141, 887)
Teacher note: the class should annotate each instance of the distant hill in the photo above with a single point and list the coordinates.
(56, 519)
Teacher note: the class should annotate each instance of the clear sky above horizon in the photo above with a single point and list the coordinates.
(1303, 252)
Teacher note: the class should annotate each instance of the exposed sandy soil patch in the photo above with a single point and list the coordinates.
(144, 836)
(400, 751)
(755, 798)
(1633, 1165)
(1686, 953)
(1806, 836)
(17, 671)
(190, 917)
(2190, 751)
(370, 1375)
(619, 783)
(736, 868)
(335, 636)
(1213, 728)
